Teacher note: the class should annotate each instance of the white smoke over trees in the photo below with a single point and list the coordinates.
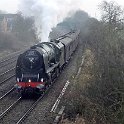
(48, 13)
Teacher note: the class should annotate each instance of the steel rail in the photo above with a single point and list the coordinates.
(16, 53)
(10, 107)
(12, 89)
(32, 107)
(7, 71)
(2, 59)
(8, 58)
(7, 64)
(7, 79)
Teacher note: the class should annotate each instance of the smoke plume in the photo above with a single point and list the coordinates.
(48, 13)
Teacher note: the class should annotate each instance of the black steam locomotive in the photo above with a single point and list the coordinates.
(39, 66)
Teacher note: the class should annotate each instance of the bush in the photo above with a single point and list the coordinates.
(98, 94)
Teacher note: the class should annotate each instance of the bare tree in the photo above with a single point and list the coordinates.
(112, 14)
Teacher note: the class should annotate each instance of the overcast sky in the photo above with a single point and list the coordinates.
(90, 6)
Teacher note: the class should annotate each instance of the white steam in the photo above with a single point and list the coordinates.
(48, 13)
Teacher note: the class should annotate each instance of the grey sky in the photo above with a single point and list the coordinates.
(90, 6)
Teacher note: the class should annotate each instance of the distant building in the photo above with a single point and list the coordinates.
(6, 22)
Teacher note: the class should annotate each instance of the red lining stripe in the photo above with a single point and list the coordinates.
(29, 84)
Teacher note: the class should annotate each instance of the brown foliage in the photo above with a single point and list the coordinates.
(98, 94)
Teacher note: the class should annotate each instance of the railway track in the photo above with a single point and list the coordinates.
(6, 114)
(10, 59)
(7, 79)
(2, 74)
(29, 110)
(8, 74)
(7, 66)
(6, 85)
(7, 93)
(8, 62)
(10, 107)
(14, 116)
(7, 59)
(5, 82)
(10, 56)
(14, 104)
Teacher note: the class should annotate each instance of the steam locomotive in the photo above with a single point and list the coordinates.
(40, 65)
